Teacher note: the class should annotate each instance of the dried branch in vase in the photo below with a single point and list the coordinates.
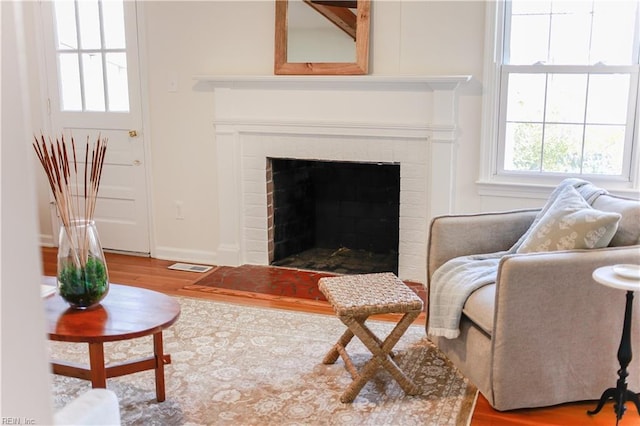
(75, 196)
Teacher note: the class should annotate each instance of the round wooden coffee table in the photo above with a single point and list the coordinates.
(125, 313)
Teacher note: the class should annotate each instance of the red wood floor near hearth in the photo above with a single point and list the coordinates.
(276, 281)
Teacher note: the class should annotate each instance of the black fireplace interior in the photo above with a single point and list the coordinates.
(338, 217)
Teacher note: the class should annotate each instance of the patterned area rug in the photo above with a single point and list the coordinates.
(242, 365)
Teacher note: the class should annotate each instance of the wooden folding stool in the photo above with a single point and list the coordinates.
(356, 297)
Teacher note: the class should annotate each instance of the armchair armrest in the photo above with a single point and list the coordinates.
(557, 327)
(460, 235)
(94, 407)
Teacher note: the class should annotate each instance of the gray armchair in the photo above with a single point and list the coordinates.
(545, 333)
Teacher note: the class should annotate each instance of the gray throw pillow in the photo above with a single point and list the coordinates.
(570, 223)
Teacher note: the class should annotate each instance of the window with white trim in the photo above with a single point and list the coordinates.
(566, 89)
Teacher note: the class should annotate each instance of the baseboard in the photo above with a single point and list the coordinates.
(184, 255)
(46, 240)
(164, 253)
(473, 408)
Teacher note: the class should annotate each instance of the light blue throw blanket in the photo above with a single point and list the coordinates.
(454, 281)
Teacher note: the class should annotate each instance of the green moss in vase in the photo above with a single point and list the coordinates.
(83, 286)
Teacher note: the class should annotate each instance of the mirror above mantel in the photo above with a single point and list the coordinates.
(344, 26)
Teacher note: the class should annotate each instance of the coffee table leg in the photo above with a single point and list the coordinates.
(96, 362)
(159, 355)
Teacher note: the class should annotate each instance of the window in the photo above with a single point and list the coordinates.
(566, 90)
(90, 49)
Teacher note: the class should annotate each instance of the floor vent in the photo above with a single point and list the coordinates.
(190, 268)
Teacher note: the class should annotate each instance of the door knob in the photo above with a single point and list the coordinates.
(133, 133)
(137, 162)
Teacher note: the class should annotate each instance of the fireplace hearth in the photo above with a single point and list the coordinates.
(334, 216)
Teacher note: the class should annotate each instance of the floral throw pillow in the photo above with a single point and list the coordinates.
(571, 223)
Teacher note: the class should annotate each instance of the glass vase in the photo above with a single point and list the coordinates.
(83, 280)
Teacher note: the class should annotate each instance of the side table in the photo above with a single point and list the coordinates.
(620, 394)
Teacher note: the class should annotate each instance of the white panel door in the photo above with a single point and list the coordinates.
(94, 91)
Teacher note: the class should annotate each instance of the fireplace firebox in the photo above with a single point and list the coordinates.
(334, 216)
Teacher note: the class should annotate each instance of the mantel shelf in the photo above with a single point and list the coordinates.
(318, 82)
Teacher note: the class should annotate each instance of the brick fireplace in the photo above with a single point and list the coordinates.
(405, 121)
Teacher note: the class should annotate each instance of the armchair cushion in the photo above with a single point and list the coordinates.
(570, 223)
(480, 307)
(628, 233)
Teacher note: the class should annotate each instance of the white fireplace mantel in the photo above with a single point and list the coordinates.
(406, 120)
(407, 82)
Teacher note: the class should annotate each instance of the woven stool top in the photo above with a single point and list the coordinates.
(368, 294)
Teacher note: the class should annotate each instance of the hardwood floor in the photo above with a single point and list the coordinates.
(153, 274)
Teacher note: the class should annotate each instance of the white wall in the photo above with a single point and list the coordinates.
(24, 365)
(182, 39)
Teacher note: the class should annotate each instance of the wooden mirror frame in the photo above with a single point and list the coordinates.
(361, 66)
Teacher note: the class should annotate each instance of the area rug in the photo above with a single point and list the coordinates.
(243, 365)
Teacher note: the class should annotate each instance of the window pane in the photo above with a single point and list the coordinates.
(530, 6)
(613, 28)
(529, 39)
(117, 86)
(89, 24)
(523, 147)
(93, 82)
(70, 96)
(113, 18)
(603, 150)
(65, 13)
(608, 98)
(566, 97)
(572, 7)
(562, 149)
(600, 32)
(526, 97)
(570, 46)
